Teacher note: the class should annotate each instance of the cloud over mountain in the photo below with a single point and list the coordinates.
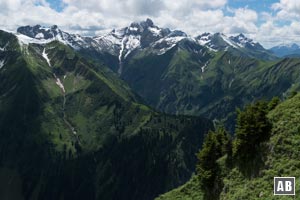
(193, 16)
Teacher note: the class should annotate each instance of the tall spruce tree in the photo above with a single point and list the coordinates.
(214, 147)
(252, 129)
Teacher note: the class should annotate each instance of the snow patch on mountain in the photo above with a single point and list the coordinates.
(74, 41)
(229, 41)
(230, 84)
(164, 50)
(45, 56)
(59, 83)
(2, 63)
(241, 40)
(128, 44)
(111, 39)
(23, 39)
(173, 40)
(132, 43)
(204, 67)
(214, 50)
(133, 28)
(204, 39)
(123, 44)
(156, 31)
(40, 36)
(110, 42)
(4, 47)
(169, 41)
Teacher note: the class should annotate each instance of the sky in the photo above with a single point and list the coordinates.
(270, 22)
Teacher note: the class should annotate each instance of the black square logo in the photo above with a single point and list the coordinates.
(284, 185)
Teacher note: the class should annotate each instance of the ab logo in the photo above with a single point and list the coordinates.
(284, 185)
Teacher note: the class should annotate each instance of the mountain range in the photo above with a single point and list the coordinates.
(122, 115)
(286, 50)
(175, 76)
(142, 35)
(72, 129)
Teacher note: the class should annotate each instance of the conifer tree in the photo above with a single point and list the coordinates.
(253, 128)
(214, 147)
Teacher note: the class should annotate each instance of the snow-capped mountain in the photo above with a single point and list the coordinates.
(39, 34)
(144, 34)
(290, 50)
(242, 41)
(121, 43)
(139, 36)
(220, 41)
(239, 44)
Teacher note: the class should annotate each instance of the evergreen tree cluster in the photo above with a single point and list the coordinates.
(253, 128)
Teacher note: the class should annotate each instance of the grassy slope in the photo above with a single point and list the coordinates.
(282, 159)
(173, 80)
(176, 83)
(282, 156)
(188, 191)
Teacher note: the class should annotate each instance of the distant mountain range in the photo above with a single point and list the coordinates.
(145, 56)
(174, 72)
(289, 50)
(144, 35)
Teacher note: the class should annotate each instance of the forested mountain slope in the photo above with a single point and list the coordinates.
(70, 129)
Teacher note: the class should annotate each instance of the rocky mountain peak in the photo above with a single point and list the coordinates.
(39, 32)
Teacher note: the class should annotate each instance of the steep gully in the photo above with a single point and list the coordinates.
(59, 83)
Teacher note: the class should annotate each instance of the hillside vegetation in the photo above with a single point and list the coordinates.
(252, 177)
(206, 83)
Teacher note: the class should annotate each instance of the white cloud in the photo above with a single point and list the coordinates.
(191, 16)
(108, 14)
(281, 25)
(287, 9)
(288, 5)
(211, 4)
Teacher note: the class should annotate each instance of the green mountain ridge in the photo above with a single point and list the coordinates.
(207, 83)
(209, 75)
(70, 129)
(280, 159)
